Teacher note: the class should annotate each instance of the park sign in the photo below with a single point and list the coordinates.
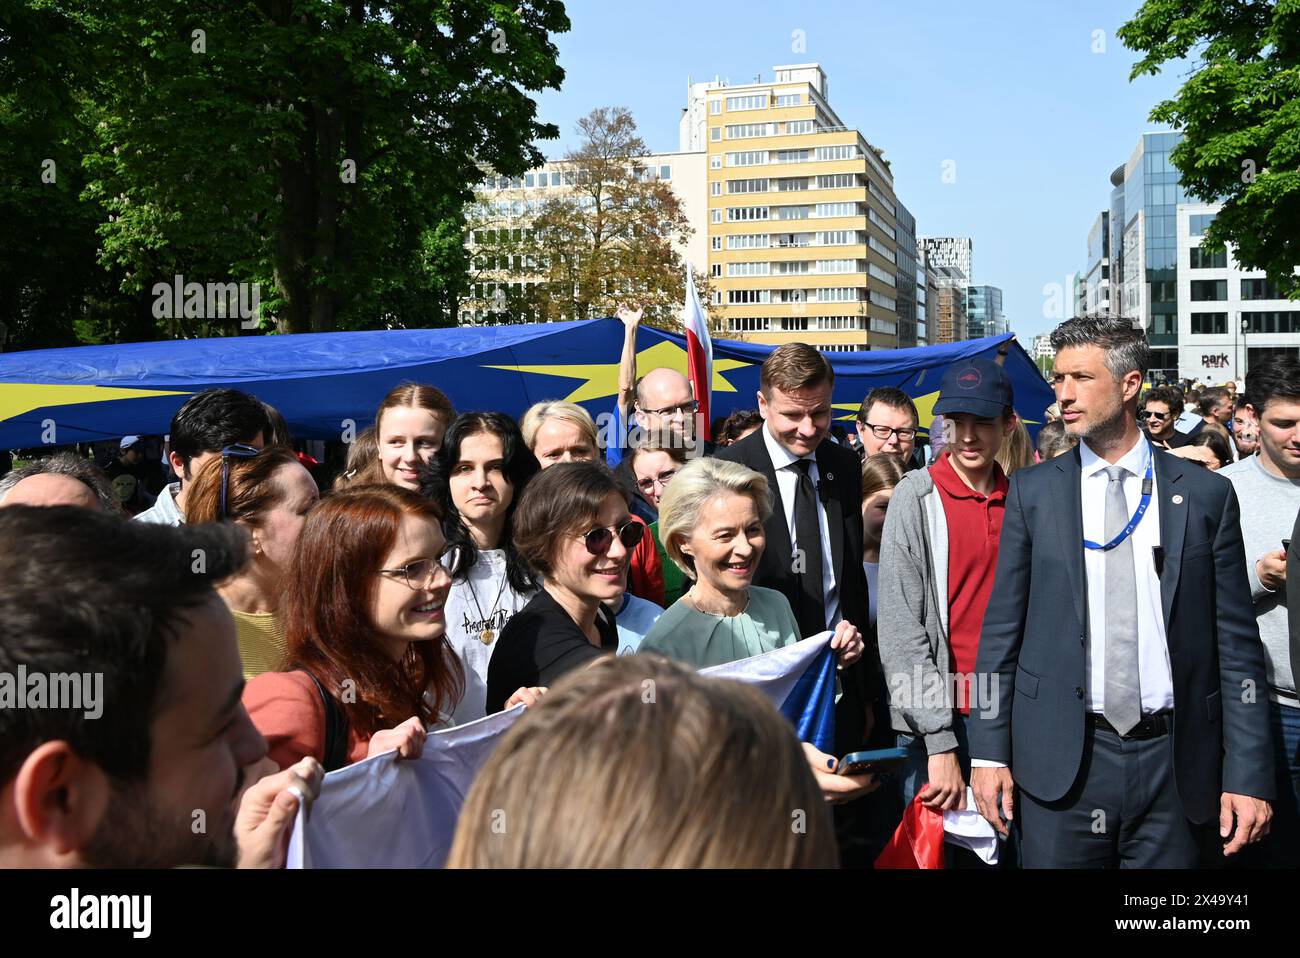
(327, 385)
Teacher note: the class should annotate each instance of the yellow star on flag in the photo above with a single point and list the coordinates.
(19, 398)
(602, 378)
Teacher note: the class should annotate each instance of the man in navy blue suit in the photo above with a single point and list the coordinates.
(1131, 705)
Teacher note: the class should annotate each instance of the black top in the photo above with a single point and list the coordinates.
(1178, 439)
(540, 644)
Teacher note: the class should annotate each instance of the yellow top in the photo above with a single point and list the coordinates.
(261, 641)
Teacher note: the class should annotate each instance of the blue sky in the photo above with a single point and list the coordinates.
(1010, 90)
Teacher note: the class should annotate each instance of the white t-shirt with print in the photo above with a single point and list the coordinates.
(467, 619)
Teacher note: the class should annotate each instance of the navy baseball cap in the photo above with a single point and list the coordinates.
(979, 387)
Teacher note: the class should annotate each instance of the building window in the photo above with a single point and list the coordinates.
(715, 107)
(715, 188)
(1204, 290)
(837, 209)
(716, 269)
(747, 296)
(1274, 322)
(747, 241)
(1208, 259)
(1198, 223)
(715, 133)
(793, 156)
(747, 269)
(749, 324)
(756, 102)
(748, 158)
(717, 216)
(665, 172)
(1259, 289)
(837, 238)
(747, 186)
(789, 99)
(1210, 324)
(717, 242)
(792, 184)
(529, 180)
(837, 181)
(799, 126)
(715, 162)
(743, 131)
(742, 214)
(837, 152)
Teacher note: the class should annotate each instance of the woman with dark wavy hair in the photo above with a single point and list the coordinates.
(477, 478)
(366, 634)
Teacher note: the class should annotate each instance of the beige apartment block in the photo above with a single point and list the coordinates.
(801, 215)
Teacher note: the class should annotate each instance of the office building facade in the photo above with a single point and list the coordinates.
(984, 315)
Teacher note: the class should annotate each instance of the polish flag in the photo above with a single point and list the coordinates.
(699, 355)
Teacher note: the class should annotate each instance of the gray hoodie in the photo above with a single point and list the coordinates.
(912, 613)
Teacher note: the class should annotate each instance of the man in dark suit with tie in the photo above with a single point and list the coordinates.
(1130, 704)
(814, 535)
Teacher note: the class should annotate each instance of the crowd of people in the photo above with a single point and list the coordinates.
(1045, 645)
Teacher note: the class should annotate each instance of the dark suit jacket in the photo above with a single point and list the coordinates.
(1033, 643)
(840, 492)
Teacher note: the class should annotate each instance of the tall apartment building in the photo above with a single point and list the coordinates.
(1205, 316)
(802, 219)
(984, 315)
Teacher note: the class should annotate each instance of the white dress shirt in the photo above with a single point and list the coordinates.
(1154, 675)
(787, 479)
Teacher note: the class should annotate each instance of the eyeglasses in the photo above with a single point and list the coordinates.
(884, 432)
(418, 573)
(1146, 414)
(238, 451)
(649, 482)
(685, 409)
(599, 540)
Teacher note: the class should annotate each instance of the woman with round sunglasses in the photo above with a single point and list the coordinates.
(574, 529)
(269, 493)
(478, 478)
(559, 432)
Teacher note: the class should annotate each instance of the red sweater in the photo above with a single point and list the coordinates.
(974, 529)
(287, 710)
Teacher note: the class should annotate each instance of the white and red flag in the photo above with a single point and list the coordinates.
(699, 355)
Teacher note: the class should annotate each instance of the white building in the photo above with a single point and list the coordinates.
(1228, 318)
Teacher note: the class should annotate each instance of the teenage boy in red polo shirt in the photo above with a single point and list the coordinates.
(938, 554)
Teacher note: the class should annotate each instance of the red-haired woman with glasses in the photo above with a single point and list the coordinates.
(369, 667)
(269, 493)
(573, 528)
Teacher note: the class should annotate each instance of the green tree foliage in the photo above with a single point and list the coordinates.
(608, 238)
(323, 149)
(1239, 112)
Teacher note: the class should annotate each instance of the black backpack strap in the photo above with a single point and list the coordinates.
(336, 729)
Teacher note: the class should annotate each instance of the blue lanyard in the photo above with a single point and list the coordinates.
(1137, 516)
